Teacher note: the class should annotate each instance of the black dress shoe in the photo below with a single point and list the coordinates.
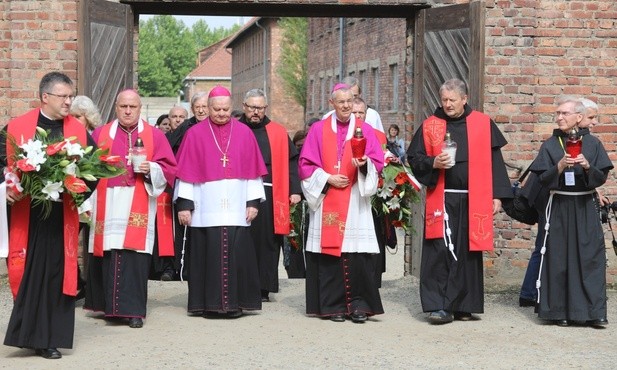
(265, 296)
(598, 324)
(337, 318)
(211, 314)
(358, 317)
(49, 353)
(135, 323)
(234, 314)
(526, 302)
(440, 317)
(463, 316)
(562, 323)
(167, 276)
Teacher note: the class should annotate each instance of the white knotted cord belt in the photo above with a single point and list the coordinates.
(182, 256)
(446, 218)
(547, 213)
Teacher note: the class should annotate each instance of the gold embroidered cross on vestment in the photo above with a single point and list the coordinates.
(225, 203)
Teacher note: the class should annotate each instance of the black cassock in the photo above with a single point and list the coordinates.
(117, 285)
(447, 284)
(224, 274)
(573, 276)
(341, 285)
(268, 244)
(42, 316)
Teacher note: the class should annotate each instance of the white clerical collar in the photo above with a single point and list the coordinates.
(114, 127)
(352, 125)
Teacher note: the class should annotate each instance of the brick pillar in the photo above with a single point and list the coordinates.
(37, 37)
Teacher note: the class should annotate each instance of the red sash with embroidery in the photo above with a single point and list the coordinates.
(336, 201)
(480, 190)
(137, 228)
(164, 225)
(481, 231)
(22, 129)
(279, 153)
(433, 131)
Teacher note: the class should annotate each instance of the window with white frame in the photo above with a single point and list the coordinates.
(311, 103)
(363, 83)
(375, 96)
(395, 86)
(322, 98)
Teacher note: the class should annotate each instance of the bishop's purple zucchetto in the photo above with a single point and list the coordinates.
(218, 91)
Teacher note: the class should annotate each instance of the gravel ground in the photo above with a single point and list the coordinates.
(281, 336)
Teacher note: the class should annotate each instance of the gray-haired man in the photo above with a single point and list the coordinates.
(282, 188)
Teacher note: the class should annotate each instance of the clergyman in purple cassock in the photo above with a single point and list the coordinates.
(220, 171)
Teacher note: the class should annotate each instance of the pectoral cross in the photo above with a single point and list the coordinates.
(338, 166)
(128, 159)
(224, 159)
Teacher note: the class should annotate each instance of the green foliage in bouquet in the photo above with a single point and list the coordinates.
(45, 167)
(298, 217)
(395, 194)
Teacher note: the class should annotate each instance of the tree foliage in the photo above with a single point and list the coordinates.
(168, 52)
(205, 36)
(294, 62)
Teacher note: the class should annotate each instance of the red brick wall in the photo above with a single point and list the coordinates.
(248, 73)
(374, 49)
(537, 50)
(37, 37)
(282, 107)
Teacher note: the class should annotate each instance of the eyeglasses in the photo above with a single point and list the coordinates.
(565, 114)
(254, 108)
(63, 97)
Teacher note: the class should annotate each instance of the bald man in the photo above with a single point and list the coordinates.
(125, 209)
(177, 115)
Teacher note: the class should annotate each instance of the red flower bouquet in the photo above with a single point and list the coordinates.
(44, 168)
(397, 190)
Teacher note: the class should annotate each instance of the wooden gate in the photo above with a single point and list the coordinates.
(105, 52)
(448, 43)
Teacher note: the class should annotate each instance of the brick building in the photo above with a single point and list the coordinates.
(531, 51)
(255, 59)
(535, 50)
(213, 68)
(373, 51)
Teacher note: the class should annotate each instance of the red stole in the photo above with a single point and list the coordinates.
(164, 225)
(336, 201)
(480, 190)
(279, 149)
(137, 228)
(22, 129)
